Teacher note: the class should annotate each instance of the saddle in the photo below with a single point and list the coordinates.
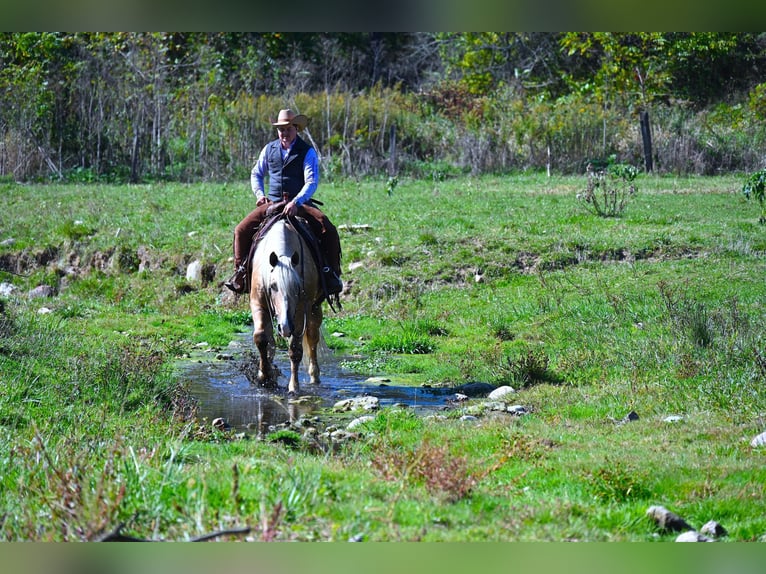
(275, 213)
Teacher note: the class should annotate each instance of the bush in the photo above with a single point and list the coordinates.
(755, 185)
(610, 188)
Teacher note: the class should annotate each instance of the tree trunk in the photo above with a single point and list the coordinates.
(392, 155)
(646, 135)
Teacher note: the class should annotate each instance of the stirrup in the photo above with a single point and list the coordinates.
(237, 281)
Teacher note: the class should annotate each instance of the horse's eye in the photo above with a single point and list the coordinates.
(273, 287)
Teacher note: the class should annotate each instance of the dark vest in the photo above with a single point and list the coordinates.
(286, 177)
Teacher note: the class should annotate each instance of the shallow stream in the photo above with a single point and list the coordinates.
(221, 389)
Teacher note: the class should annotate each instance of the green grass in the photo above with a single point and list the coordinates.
(506, 280)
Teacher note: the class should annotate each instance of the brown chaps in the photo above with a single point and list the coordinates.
(321, 227)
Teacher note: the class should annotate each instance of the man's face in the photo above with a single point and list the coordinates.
(287, 135)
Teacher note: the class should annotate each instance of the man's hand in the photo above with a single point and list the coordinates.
(291, 208)
(261, 201)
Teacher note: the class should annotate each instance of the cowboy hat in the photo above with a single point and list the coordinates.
(287, 117)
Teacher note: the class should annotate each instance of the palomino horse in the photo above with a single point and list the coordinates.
(286, 293)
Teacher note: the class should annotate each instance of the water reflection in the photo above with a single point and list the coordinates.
(222, 390)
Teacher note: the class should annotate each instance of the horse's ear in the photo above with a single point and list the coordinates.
(273, 259)
(295, 259)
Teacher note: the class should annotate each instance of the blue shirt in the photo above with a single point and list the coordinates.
(310, 174)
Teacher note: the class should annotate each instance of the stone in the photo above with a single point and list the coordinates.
(42, 291)
(667, 520)
(630, 417)
(194, 271)
(220, 424)
(6, 289)
(692, 536)
(501, 392)
(759, 440)
(357, 403)
(359, 421)
(475, 390)
(713, 529)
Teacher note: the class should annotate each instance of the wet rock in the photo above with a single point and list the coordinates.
(224, 357)
(475, 390)
(667, 520)
(713, 529)
(7, 242)
(6, 289)
(42, 291)
(501, 392)
(759, 440)
(377, 380)
(469, 418)
(692, 536)
(366, 403)
(460, 397)
(517, 410)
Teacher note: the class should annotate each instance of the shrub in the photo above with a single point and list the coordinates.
(610, 188)
(755, 185)
(529, 368)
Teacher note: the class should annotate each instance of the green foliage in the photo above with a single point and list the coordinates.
(615, 482)
(409, 338)
(75, 230)
(75, 105)
(609, 189)
(755, 186)
(528, 367)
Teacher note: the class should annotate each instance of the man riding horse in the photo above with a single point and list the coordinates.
(293, 171)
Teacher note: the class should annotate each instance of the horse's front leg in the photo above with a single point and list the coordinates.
(263, 339)
(295, 353)
(313, 326)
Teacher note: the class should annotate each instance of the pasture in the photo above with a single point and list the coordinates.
(507, 280)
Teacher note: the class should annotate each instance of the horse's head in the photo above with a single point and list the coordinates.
(285, 292)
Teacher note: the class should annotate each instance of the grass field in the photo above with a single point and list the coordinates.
(505, 280)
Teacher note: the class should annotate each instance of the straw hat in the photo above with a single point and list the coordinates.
(287, 117)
